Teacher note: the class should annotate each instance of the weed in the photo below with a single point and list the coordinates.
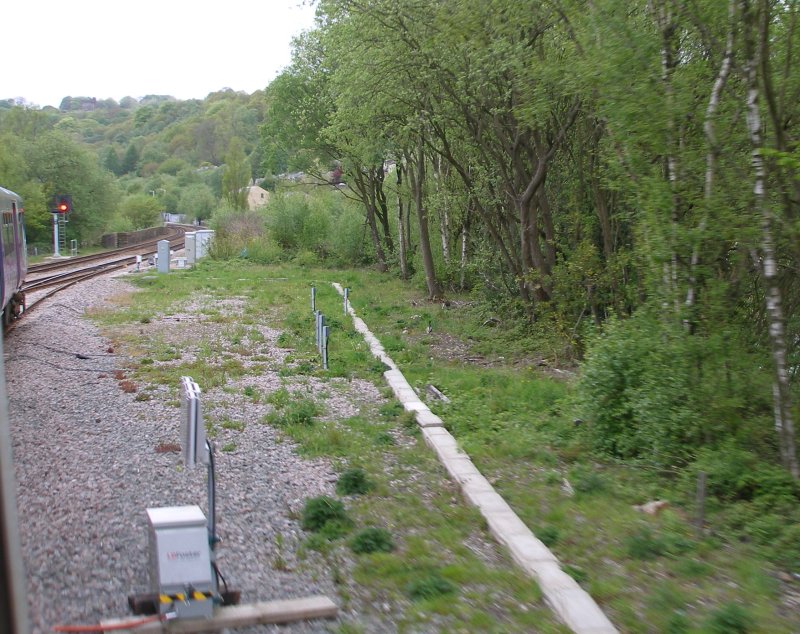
(429, 587)
(301, 412)
(730, 619)
(384, 439)
(548, 535)
(372, 540)
(233, 424)
(320, 511)
(392, 409)
(279, 398)
(229, 447)
(577, 573)
(250, 392)
(645, 545)
(353, 482)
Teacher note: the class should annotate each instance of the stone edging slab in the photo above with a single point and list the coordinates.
(571, 603)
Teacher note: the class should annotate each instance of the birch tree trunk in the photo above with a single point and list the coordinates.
(711, 155)
(402, 239)
(784, 424)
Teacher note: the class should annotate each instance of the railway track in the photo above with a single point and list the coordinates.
(176, 241)
(49, 278)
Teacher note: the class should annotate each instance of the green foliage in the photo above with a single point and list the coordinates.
(141, 211)
(325, 515)
(736, 474)
(429, 586)
(372, 540)
(730, 619)
(354, 481)
(643, 544)
(299, 412)
(650, 390)
(197, 201)
(280, 398)
(236, 176)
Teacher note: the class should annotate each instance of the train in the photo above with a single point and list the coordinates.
(13, 255)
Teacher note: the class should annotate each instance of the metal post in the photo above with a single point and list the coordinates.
(212, 510)
(55, 235)
(322, 327)
(73, 247)
(313, 299)
(346, 298)
(316, 328)
(325, 331)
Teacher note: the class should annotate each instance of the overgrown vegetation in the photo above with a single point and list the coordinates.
(526, 432)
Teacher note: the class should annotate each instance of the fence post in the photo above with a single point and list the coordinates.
(325, 331)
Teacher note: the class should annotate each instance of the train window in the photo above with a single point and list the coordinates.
(8, 233)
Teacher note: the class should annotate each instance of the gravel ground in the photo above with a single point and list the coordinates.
(91, 457)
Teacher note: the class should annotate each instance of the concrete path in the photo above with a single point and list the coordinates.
(571, 603)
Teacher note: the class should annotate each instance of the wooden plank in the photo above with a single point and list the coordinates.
(284, 611)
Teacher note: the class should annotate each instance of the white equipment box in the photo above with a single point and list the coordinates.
(180, 561)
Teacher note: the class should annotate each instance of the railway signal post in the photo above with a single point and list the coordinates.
(62, 205)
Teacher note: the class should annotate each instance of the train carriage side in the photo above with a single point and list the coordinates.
(13, 254)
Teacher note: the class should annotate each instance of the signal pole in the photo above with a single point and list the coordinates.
(55, 236)
(62, 204)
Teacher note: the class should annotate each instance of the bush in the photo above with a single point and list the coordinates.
(348, 241)
(353, 482)
(633, 390)
(649, 389)
(735, 474)
(286, 216)
(320, 511)
(372, 540)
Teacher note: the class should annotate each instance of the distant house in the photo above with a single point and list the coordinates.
(257, 197)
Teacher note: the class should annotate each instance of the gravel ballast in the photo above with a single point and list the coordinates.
(90, 457)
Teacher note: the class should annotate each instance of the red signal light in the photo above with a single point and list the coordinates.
(62, 204)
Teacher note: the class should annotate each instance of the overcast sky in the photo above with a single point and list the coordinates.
(184, 48)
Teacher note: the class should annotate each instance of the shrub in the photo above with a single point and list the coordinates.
(353, 482)
(321, 511)
(372, 540)
(735, 474)
(649, 389)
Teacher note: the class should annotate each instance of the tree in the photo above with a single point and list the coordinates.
(130, 161)
(236, 176)
(197, 201)
(141, 210)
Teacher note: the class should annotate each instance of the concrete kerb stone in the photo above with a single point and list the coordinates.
(579, 611)
(566, 598)
(426, 418)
